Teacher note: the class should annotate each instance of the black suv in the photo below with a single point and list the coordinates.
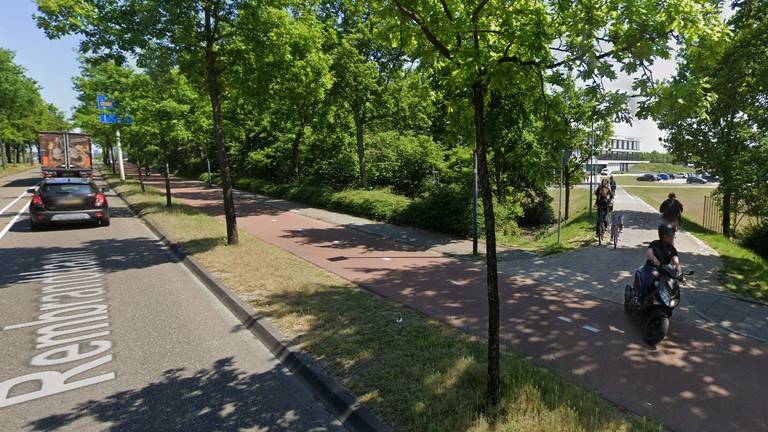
(68, 199)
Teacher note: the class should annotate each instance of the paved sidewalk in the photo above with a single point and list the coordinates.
(430, 240)
(697, 380)
(704, 302)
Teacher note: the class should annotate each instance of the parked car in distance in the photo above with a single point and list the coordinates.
(606, 171)
(68, 200)
(692, 179)
(710, 178)
(662, 176)
(672, 176)
(681, 175)
(647, 177)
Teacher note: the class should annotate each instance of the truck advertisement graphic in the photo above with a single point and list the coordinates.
(65, 154)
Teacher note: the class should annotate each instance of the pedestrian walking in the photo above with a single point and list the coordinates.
(671, 210)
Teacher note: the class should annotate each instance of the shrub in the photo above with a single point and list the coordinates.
(507, 216)
(408, 164)
(446, 209)
(215, 178)
(536, 208)
(755, 237)
(379, 204)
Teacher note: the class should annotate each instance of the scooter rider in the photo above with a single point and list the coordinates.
(660, 252)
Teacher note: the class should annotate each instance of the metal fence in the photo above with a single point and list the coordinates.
(713, 213)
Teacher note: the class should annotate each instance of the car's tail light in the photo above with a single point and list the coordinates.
(100, 199)
(37, 201)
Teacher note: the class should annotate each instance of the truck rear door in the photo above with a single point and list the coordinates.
(53, 153)
(79, 151)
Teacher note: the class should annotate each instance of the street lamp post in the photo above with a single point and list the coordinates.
(474, 203)
(120, 156)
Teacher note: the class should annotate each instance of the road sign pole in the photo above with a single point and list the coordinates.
(120, 156)
(474, 203)
(592, 162)
(560, 202)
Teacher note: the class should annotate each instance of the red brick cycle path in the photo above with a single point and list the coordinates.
(696, 380)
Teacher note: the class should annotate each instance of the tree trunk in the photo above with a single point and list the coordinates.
(31, 154)
(214, 91)
(567, 186)
(359, 121)
(727, 211)
(295, 151)
(167, 175)
(2, 155)
(479, 89)
(141, 175)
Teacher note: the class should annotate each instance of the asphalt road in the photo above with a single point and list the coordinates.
(146, 347)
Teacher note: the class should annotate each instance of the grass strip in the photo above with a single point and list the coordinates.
(14, 168)
(418, 374)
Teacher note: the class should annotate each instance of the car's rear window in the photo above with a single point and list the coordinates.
(68, 188)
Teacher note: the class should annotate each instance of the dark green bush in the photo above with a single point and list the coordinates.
(446, 209)
(406, 163)
(380, 205)
(755, 237)
(536, 208)
(215, 178)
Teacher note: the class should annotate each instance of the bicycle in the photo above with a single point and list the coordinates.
(617, 226)
(600, 228)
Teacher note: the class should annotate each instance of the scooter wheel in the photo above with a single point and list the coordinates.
(656, 327)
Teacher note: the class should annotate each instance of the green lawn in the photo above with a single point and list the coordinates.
(692, 197)
(654, 167)
(743, 272)
(421, 375)
(14, 168)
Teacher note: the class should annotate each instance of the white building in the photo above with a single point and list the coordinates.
(619, 154)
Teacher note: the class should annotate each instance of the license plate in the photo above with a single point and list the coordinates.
(70, 202)
(70, 217)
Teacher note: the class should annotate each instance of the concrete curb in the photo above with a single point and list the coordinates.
(338, 400)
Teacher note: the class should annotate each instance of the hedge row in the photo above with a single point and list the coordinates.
(446, 209)
(755, 237)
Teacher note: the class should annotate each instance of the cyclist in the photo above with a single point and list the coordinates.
(603, 202)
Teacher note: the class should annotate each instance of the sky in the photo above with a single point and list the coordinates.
(53, 63)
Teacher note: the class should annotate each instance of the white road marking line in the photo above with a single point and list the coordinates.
(13, 202)
(590, 328)
(12, 222)
(455, 282)
(274, 220)
(566, 319)
(387, 259)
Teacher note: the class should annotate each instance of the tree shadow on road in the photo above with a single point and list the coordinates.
(220, 398)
